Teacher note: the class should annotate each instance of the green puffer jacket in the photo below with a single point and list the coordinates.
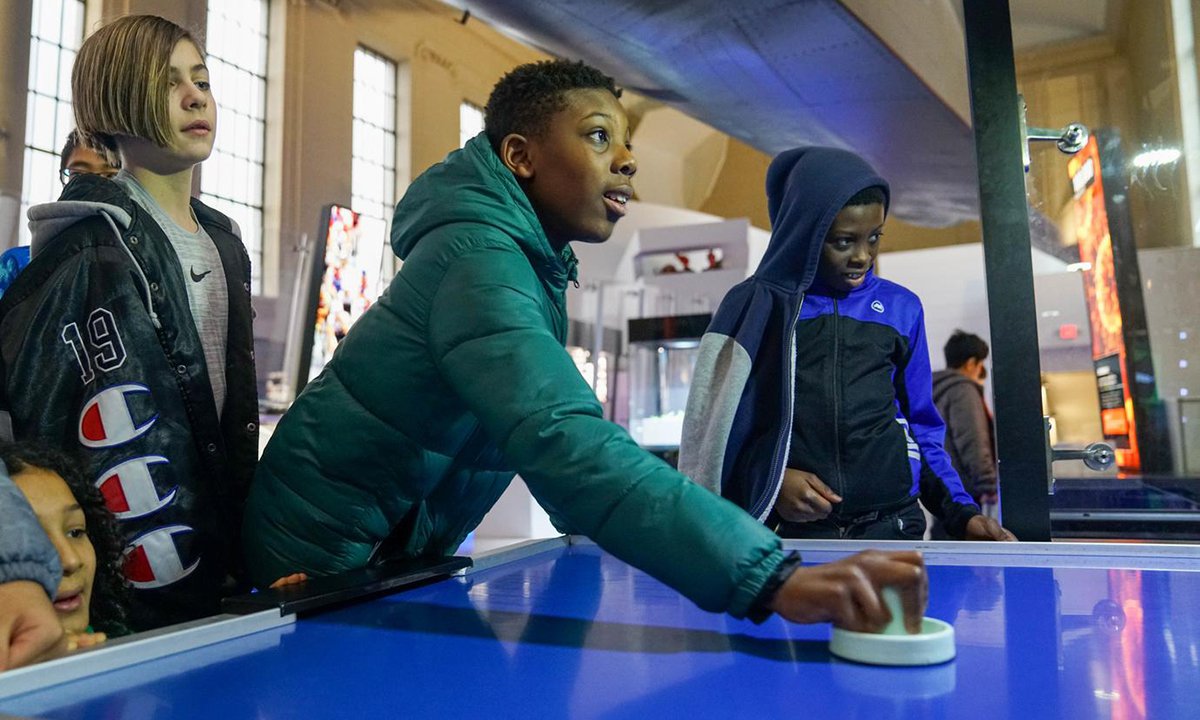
(455, 379)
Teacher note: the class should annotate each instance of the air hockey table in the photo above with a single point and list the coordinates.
(1132, 507)
(560, 629)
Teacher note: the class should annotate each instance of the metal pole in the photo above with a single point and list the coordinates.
(1004, 215)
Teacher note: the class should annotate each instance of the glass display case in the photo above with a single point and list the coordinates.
(595, 354)
(662, 355)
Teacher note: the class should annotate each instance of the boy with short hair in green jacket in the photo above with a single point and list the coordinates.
(458, 377)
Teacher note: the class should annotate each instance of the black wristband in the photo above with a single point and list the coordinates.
(760, 609)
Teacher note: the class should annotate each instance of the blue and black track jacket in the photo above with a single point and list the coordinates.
(790, 374)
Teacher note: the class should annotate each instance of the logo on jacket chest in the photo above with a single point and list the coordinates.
(115, 416)
(161, 557)
(877, 306)
(129, 490)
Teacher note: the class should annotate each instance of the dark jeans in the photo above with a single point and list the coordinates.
(907, 523)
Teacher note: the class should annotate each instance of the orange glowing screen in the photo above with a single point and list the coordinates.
(1128, 656)
(1100, 290)
(1095, 248)
(1114, 422)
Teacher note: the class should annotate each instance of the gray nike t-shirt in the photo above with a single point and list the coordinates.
(208, 297)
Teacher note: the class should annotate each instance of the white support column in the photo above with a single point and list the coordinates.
(1189, 101)
(16, 18)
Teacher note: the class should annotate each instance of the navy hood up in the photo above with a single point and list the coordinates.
(806, 189)
(749, 345)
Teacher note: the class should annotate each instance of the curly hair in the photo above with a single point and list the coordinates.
(527, 97)
(110, 593)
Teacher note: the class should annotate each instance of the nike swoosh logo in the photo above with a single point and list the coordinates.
(201, 276)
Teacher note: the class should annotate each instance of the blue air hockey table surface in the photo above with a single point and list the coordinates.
(560, 629)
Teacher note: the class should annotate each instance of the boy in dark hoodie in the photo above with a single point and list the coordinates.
(458, 377)
(810, 403)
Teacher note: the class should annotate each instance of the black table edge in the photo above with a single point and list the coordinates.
(322, 592)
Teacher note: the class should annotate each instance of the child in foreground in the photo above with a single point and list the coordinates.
(30, 630)
(91, 598)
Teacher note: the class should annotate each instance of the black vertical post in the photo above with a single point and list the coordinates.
(1004, 214)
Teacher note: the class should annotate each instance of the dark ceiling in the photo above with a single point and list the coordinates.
(774, 74)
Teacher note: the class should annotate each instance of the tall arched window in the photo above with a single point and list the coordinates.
(56, 34)
(232, 178)
(373, 157)
(470, 122)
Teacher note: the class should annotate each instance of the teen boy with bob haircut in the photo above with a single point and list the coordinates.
(458, 377)
(128, 338)
(810, 403)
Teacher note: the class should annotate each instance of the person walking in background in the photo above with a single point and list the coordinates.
(970, 439)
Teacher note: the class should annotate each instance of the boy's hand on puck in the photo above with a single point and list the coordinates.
(847, 592)
(804, 498)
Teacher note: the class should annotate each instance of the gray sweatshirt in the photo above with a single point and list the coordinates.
(25, 551)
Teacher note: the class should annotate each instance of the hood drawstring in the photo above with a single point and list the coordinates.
(571, 262)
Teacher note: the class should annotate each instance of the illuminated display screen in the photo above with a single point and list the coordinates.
(344, 285)
(1104, 306)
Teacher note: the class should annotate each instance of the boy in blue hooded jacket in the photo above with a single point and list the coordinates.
(811, 400)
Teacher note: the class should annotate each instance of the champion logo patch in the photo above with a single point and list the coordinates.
(129, 490)
(154, 559)
(877, 306)
(107, 420)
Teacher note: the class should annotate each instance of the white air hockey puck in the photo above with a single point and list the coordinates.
(894, 646)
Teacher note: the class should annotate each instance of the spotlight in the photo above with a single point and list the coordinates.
(1160, 156)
